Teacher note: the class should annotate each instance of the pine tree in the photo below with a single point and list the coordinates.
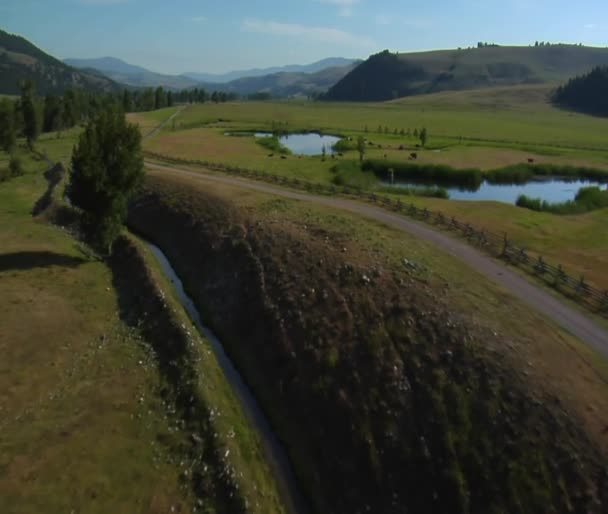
(31, 124)
(7, 125)
(107, 168)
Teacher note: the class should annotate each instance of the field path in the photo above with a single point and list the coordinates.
(575, 322)
(166, 122)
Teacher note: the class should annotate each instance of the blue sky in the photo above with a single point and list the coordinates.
(174, 36)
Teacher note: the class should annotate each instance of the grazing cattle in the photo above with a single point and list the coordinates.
(283, 157)
(401, 147)
(531, 161)
(413, 155)
(340, 154)
(270, 155)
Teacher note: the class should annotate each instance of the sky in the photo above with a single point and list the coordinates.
(213, 36)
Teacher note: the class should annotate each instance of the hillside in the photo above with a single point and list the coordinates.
(20, 60)
(387, 76)
(396, 401)
(586, 93)
(131, 75)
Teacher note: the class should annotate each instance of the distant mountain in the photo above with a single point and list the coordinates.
(386, 75)
(20, 60)
(331, 62)
(286, 84)
(131, 75)
(587, 93)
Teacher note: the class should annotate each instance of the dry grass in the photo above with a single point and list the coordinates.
(545, 354)
(78, 422)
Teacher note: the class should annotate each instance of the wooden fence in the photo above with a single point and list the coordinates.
(498, 245)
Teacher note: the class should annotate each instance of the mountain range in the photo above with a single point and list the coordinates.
(278, 81)
(383, 76)
(331, 62)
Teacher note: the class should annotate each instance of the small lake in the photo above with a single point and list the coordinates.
(305, 144)
(554, 190)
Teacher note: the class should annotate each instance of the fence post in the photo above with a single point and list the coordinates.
(604, 302)
(561, 275)
(505, 245)
(540, 267)
(582, 288)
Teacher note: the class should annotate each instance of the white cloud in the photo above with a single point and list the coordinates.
(322, 34)
(198, 19)
(590, 26)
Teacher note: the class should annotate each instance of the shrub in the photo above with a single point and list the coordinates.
(435, 174)
(349, 173)
(15, 166)
(586, 200)
(272, 143)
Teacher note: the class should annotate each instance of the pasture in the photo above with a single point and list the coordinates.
(499, 127)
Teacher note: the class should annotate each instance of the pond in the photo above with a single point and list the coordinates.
(305, 144)
(551, 190)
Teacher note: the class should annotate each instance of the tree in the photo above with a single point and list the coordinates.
(423, 137)
(415, 134)
(160, 98)
(51, 118)
(323, 153)
(31, 124)
(127, 101)
(107, 168)
(361, 147)
(7, 125)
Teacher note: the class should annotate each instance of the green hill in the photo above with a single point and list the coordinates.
(585, 93)
(387, 76)
(20, 60)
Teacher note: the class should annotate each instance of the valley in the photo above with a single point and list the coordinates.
(370, 286)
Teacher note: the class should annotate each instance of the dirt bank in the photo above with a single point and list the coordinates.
(387, 400)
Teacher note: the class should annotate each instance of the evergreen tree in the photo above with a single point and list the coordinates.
(52, 118)
(127, 101)
(107, 168)
(7, 125)
(361, 147)
(423, 137)
(31, 124)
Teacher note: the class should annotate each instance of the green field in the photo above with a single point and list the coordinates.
(83, 424)
(520, 118)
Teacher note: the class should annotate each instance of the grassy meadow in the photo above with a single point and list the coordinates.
(83, 424)
(500, 127)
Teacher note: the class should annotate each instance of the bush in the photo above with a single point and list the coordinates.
(522, 173)
(435, 174)
(15, 166)
(349, 173)
(586, 200)
(428, 192)
(272, 143)
(344, 145)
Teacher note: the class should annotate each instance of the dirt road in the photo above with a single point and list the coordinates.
(575, 322)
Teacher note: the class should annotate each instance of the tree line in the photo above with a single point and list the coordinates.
(586, 93)
(30, 115)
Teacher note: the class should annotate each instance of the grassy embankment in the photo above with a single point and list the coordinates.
(398, 365)
(506, 114)
(89, 421)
